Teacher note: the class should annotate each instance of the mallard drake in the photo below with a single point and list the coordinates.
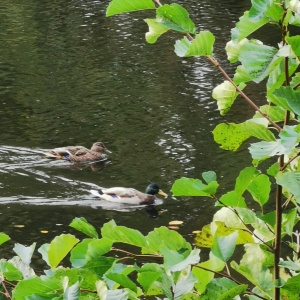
(130, 195)
(79, 153)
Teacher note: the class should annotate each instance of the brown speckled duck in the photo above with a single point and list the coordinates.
(130, 195)
(79, 153)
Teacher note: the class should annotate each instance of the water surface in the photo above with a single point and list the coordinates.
(71, 76)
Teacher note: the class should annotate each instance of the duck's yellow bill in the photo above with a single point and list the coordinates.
(160, 192)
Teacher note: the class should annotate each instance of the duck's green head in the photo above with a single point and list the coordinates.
(153, 189)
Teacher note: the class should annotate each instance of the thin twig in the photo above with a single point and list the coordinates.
(248, 229)
(221, 274)
(137, 255)
(5, 293)
(289, 161)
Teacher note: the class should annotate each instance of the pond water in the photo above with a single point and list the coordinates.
(71, 76)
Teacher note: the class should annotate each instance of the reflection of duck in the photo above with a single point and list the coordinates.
(79, 153)
(130, 195)
(94, 165)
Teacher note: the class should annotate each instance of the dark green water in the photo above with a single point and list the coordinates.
(71, 76)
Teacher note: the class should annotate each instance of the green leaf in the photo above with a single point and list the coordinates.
(121, 6)
(230, 136)
(123, 280)
(148, 274)
(225, 94)
(258, 130)
(269, 218)
(275, 12)
(233, 49)
(89, 250)
(101, 289)
(58, 249)
(204, 273)
(26, 270)
(292, 97)
(277, 76)
(194, 187)
(175, 17)
(71, 292)
(209, 176)
(24, 253)
(103, 293)
(260, 188)
(263, 232)
(224, 289)
(87, 278)
(291, 181)
(204, 238)
(182, 262)
(294, 42)
(253, 269)
(289, 221)
(163, 238)
(245, 27)
(279, 101)
(101, 265)
(224, 246)
(202, 45)
(285, 145)
(261, 150)
(82, 225)
(293, 284)
(232, 199)
(291, 265)
(275, 113)
(3, 238)
(273, 169)
(258, 9)
(9, 271)
(258, 59)
(233, 292)
(241, 75)
(156, 29)
(238, 219)
(295, 79)
(184, 285)
(244, 237)
(36, 286)
(123, 234)
(246, 176)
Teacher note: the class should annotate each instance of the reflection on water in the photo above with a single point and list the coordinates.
(68, 75)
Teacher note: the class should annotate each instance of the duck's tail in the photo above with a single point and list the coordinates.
(97, 193)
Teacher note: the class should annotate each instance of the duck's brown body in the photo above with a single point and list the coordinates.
(79, 153)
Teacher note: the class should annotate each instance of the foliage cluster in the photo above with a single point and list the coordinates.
(163, 264)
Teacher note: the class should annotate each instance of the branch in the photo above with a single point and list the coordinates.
(137, 255)
(289, 161)
(248, 100)
(221, 274)
(5, 293)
